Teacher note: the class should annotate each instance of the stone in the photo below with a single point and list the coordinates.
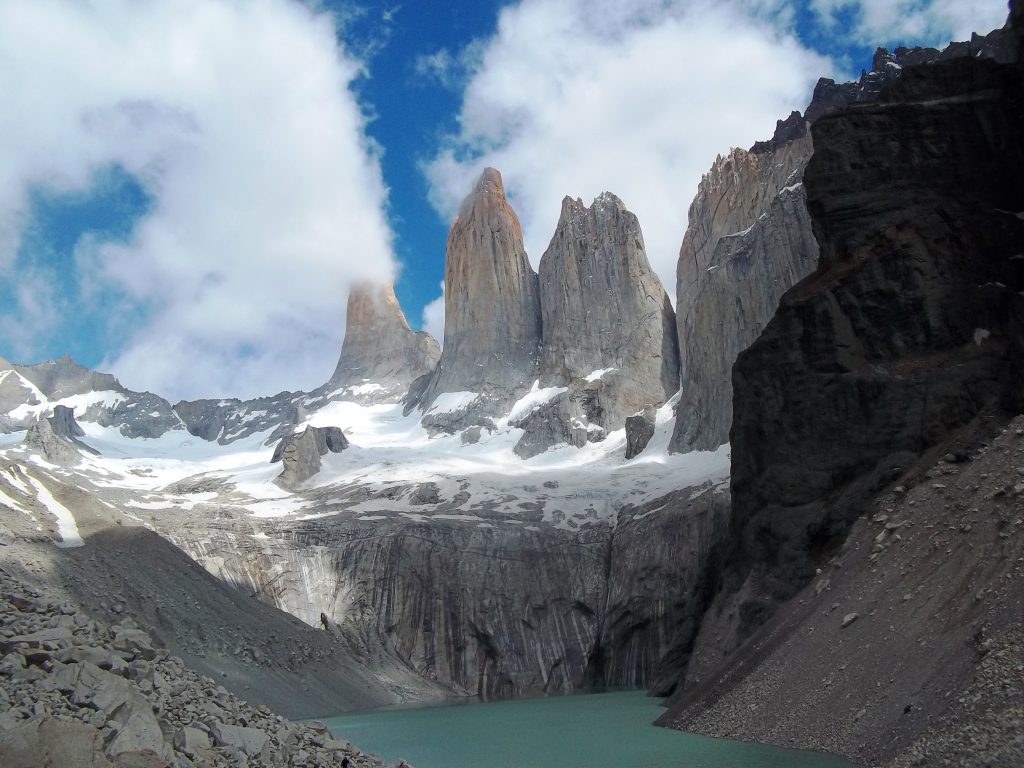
(605, 316)
(492, 325)
(192, 741)
(380, 355)
(848, 619)
(251, 741)
(300, 453)
(50, 742)
(639, 431)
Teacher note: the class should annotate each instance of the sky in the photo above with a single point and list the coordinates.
(188, 188)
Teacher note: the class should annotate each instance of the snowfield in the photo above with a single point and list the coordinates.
(393, 469)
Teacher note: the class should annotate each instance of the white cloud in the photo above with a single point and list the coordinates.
(921, 22)
(433, 317)
(581, 96)
(237, 117)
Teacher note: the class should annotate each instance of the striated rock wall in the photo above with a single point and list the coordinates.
(492, 307)
(495, 611)
(602, 307)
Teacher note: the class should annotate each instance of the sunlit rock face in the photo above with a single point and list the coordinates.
(608, 325)
(492, 318)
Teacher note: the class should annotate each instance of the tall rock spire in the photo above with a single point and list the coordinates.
(379, 347)
(492, 305)
(603, 308)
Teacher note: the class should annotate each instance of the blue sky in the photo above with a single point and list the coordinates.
(189, 187)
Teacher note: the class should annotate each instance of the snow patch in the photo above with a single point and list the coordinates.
(534, 399)
(598, 374)
(67, 528)
(450, 402)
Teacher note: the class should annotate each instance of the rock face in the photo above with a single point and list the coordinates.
(604, 309)
(56, 437)
(300, 453)
(750, 239)
(492, 310)
(135, 414)
(381, 355)
(911, 327)
(496, 611)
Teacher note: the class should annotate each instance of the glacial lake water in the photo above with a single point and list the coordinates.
(605, 730)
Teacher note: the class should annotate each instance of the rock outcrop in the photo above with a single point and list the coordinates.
(135, 414)
(492, 319)
(639, 431)
(300, 453)
(749, 240)
(609, 338)
(607, 321)
(381, 355)
(911, 327)
(56, 437)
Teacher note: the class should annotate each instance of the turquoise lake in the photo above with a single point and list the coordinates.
(606, 730)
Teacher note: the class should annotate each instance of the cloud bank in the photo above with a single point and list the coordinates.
(267, 202)
(638, 97)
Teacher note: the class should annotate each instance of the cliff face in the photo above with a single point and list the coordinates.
(381, 355)
(911, 327)
(749, 239)
(492, 308)
(495, 611)
(603, 308)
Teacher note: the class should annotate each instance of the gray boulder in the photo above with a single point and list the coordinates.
(300, 453)
(639, 431)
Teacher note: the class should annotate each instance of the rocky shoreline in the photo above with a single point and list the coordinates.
(77, 692)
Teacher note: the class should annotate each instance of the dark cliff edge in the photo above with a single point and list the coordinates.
(905, 345)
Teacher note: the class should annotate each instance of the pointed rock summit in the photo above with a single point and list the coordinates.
(607, 319)
(492, 308)
(379, 347)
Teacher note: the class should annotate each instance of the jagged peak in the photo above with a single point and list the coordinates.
(490, 181)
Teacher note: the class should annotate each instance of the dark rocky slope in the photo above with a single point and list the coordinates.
(911, 328)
